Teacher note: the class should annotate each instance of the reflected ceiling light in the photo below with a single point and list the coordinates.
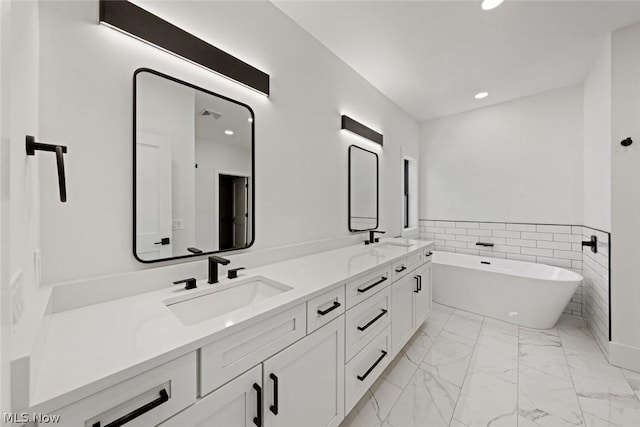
(228, 132)
(491, 4)
(481, 95)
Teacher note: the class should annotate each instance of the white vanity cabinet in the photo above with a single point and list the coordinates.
(237, 403)
(410, 305)
(422, 299)
(303, 385)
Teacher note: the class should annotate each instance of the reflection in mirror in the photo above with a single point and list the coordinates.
(193, 170)
(363, 189)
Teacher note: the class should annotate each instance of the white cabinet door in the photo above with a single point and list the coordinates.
(422, 299)
(304, 384)
(402, 316)
(233, 405)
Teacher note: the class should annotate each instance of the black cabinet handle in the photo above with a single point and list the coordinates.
(419, 282)
(274, 407)
(372, 285)
(429, 253)
(335, 305)
(417, 289)
(372, 321)
(366, 374)
(401, 269)
(257, 420)
(164, 397)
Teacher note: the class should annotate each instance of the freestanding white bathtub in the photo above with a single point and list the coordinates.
(524, 293)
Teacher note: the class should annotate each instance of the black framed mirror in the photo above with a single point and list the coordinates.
(363, 189)
(193, 170)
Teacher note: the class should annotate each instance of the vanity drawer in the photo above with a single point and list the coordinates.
(169, 388)
(415, 260)
(367, 320)
(363, 287)
(362, 371)
(399, 269)
(324, 308)
(234, 354)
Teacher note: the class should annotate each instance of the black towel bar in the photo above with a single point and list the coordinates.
(32, 146)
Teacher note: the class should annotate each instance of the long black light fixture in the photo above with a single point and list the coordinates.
(125, 16)
(359, 129)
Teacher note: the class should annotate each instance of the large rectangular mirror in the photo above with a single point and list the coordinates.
(363, 189)
(193, 170)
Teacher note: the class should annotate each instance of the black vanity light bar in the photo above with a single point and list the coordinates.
(359, 129)
(137, 22)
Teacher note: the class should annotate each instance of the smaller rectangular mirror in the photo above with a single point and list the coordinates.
(363, 189)
(193, 170)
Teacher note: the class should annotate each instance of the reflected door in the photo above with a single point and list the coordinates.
(153, 196)
(240, 186)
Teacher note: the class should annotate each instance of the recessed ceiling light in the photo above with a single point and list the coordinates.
(228, 132)
(481, 95)
(491, 4)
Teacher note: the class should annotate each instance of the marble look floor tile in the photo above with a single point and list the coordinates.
(546, 400)
(464, 324)
(634, 380)
(546, 396)
(428, 401)
(449, 358)
(484, 372)
(489, 395)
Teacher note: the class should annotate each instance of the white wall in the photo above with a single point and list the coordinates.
(597, 141)
(301, 156)
(625, 197)
(519, 161)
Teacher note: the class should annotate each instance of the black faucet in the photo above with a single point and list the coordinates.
(372, 238)
(213, 267)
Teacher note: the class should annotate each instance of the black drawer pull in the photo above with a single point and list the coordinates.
(401, 269)
(429, 253)
(419, 283)
(274, 407)
(257, 420)
(335, 305)
(366, 374)
(372, 285)
(417, 289)
(372, 321)
(164, 397)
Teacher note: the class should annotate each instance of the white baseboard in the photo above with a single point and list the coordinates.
(624, 356)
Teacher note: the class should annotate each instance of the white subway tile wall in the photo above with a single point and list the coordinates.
(558, 245)
(595, 308)
(363, 223)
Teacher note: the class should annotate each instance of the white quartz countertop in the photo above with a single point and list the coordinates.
(94, 347)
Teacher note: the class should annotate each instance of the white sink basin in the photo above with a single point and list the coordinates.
(219, 300)
(402, 244)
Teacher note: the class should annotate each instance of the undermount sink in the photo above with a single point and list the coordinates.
(402, 244)
(220, 300)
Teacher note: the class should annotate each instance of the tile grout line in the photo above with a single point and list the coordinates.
(466, 372)
(386, 420)
(573, 384)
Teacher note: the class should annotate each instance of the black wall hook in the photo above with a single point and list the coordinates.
(32, 146)
(626, 142)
